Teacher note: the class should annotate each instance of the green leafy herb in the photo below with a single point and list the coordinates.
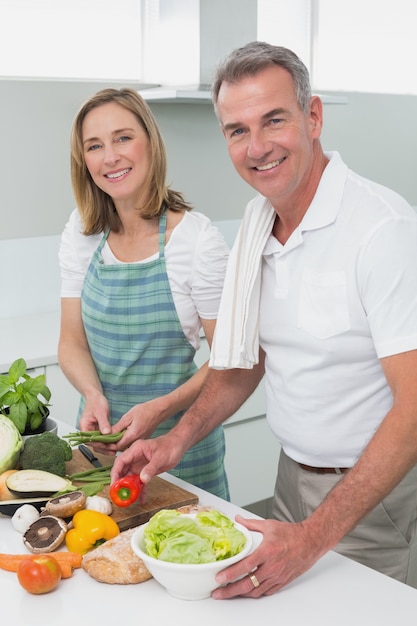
(23, 399)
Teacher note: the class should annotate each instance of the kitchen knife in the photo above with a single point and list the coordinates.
(89, 455)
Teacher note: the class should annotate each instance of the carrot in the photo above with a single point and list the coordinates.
(68, 561)
(66, 569)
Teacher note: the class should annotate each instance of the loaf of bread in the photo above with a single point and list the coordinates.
(115, 563)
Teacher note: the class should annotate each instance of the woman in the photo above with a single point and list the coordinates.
(140, 276)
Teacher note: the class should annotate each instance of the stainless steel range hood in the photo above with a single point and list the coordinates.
(223, 26)
(217, 39)
(185, 94)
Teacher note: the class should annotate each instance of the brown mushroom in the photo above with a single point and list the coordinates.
(45, 534)
(66, 505)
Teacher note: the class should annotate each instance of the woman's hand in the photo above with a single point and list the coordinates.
(139, 422)
(95, 416)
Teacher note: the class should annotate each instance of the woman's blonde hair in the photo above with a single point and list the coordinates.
(96, 207)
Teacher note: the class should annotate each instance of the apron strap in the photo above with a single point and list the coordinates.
(162, 231)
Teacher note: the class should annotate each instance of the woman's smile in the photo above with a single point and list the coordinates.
(117, 175)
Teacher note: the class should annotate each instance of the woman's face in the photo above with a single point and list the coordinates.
(117, 153)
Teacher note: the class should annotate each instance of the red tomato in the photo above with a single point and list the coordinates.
(39, 573)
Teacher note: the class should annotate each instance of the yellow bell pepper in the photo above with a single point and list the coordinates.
(90, 529)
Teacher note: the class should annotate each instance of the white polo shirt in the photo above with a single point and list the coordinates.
(338, 296)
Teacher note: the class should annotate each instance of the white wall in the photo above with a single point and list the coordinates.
(377, 136)
(35, 123)
(29, 276)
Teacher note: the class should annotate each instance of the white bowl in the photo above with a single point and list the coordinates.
(184, 580)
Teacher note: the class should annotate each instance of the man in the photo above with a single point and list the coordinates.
(321, 296)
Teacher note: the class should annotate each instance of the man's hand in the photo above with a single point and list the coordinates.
(287, 551)
(149, 457)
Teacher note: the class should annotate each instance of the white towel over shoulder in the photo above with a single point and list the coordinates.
(236, 338)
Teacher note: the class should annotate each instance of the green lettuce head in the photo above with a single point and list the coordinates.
(207, 537)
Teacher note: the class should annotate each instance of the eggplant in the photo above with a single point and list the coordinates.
(36, 484)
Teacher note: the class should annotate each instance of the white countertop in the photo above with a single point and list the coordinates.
(336, 591)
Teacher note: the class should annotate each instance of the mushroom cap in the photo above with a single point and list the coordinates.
(45, 534)
(23, 517)
(66, 505)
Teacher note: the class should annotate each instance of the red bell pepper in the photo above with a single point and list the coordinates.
(126, 490)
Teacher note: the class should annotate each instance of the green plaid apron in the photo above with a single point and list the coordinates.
(140, 351)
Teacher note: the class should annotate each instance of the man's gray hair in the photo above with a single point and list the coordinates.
(255, 57)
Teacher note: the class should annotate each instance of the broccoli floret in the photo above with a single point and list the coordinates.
(46, 452)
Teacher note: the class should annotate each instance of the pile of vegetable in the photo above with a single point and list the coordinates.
(81, 523)
(47, 453)
(47, 530)
(82, 530)
(209, 536)
(73, 514)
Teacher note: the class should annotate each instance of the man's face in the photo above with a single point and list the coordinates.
(271, 141)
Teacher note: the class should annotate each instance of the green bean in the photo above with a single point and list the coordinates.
(96, 471)
(105, 479)
(98, 474)
(88, 436)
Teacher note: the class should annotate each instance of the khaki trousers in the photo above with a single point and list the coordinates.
(385, 540)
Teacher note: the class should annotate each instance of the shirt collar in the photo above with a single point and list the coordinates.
(325, 205)
(328, 197)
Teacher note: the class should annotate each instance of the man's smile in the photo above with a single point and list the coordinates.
(269, 166)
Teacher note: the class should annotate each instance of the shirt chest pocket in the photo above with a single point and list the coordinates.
(322, 307)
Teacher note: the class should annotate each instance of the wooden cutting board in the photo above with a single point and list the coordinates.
(160, 494)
